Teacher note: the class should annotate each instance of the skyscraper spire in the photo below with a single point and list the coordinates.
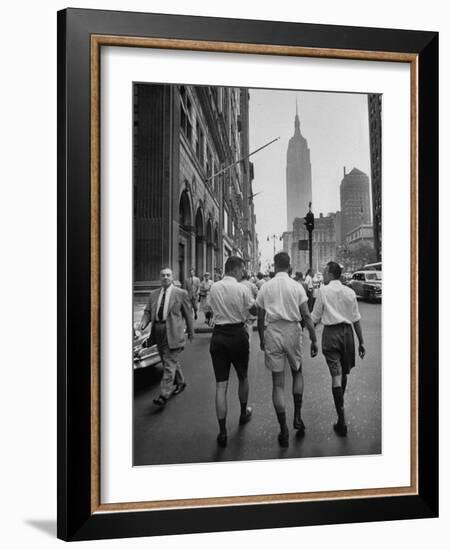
(297, 120)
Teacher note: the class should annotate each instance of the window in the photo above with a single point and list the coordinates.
(200, 143)
(185, 114)
(225, 220)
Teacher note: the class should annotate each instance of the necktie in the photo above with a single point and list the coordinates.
(161, 307)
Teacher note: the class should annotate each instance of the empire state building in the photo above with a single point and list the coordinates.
(298, 175)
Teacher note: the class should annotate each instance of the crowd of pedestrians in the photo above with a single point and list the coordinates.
(284, 307)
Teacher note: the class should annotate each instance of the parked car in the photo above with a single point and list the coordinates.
(144, 356)
(367, 284)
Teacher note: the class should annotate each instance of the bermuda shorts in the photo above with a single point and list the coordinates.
(338, 347)
(229, 346)
(283, 344)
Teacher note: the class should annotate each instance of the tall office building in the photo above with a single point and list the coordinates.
(355, 201)
(298, 175)
(187, 212)
(374, 104)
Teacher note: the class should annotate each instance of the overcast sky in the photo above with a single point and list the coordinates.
(336, 128)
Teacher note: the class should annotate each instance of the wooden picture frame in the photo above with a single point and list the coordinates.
(81, 35)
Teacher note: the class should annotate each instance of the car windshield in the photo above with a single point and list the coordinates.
(375, 276)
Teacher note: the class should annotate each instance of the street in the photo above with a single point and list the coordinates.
(185, 431)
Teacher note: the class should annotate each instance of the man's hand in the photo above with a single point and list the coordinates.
(314, 349)
(361, 350)
(262, 345)
(190, 336)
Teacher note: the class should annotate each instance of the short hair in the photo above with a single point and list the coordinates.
(298, 275)
(232, 263)
(164, 267)
(282, 260)
(335, 269)
(260, 275)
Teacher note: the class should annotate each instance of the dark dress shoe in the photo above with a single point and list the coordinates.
(340, 428)
(244, 418)
(179, 388)
(160, 401)
(299, 426)
(222, 439)
(283, 438)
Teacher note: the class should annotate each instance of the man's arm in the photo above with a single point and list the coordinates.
(317, 312)
(261, 317)
(187, 314)
(361, 347)
(310, 326)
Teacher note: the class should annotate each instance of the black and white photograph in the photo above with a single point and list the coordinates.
(257, 274)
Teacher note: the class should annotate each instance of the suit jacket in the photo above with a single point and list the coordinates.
(178, 311)
(192, 286)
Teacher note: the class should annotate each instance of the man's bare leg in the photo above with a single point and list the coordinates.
(280, 407)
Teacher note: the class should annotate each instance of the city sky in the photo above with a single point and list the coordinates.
(336, 128)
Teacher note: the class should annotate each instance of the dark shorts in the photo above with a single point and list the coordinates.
(338, 347)
(229, 346)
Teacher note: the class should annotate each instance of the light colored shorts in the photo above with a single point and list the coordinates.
(283, 343)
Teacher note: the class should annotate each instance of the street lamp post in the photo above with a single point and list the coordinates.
(309, 224)
(274, 238)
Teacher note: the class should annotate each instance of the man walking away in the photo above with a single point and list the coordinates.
(192, 286)
(283, 302)
(231, 303)
(336, 306)
(309, 283)
(167, 309)
(259, 283)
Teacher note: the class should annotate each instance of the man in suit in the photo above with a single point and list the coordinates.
(192, 285)
(167, 309)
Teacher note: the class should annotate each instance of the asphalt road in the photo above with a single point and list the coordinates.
(185, 431)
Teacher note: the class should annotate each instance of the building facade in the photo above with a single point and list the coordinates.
(323, 243)
(355, 201)
(193, 204)
(298, 175)
(374, 107)
(360, 234)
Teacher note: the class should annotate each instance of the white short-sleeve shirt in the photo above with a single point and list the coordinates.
(281, 298)
(335, 303)
(230, 301)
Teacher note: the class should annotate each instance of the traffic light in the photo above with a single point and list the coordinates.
(309, 221)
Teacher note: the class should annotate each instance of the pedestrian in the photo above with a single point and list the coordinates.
(282, 302)
(231, 303)
(336, 306)
(192, 286)
(204, 290)
(260, 280)
(309, 283)
(253, 289)
(168, 309)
